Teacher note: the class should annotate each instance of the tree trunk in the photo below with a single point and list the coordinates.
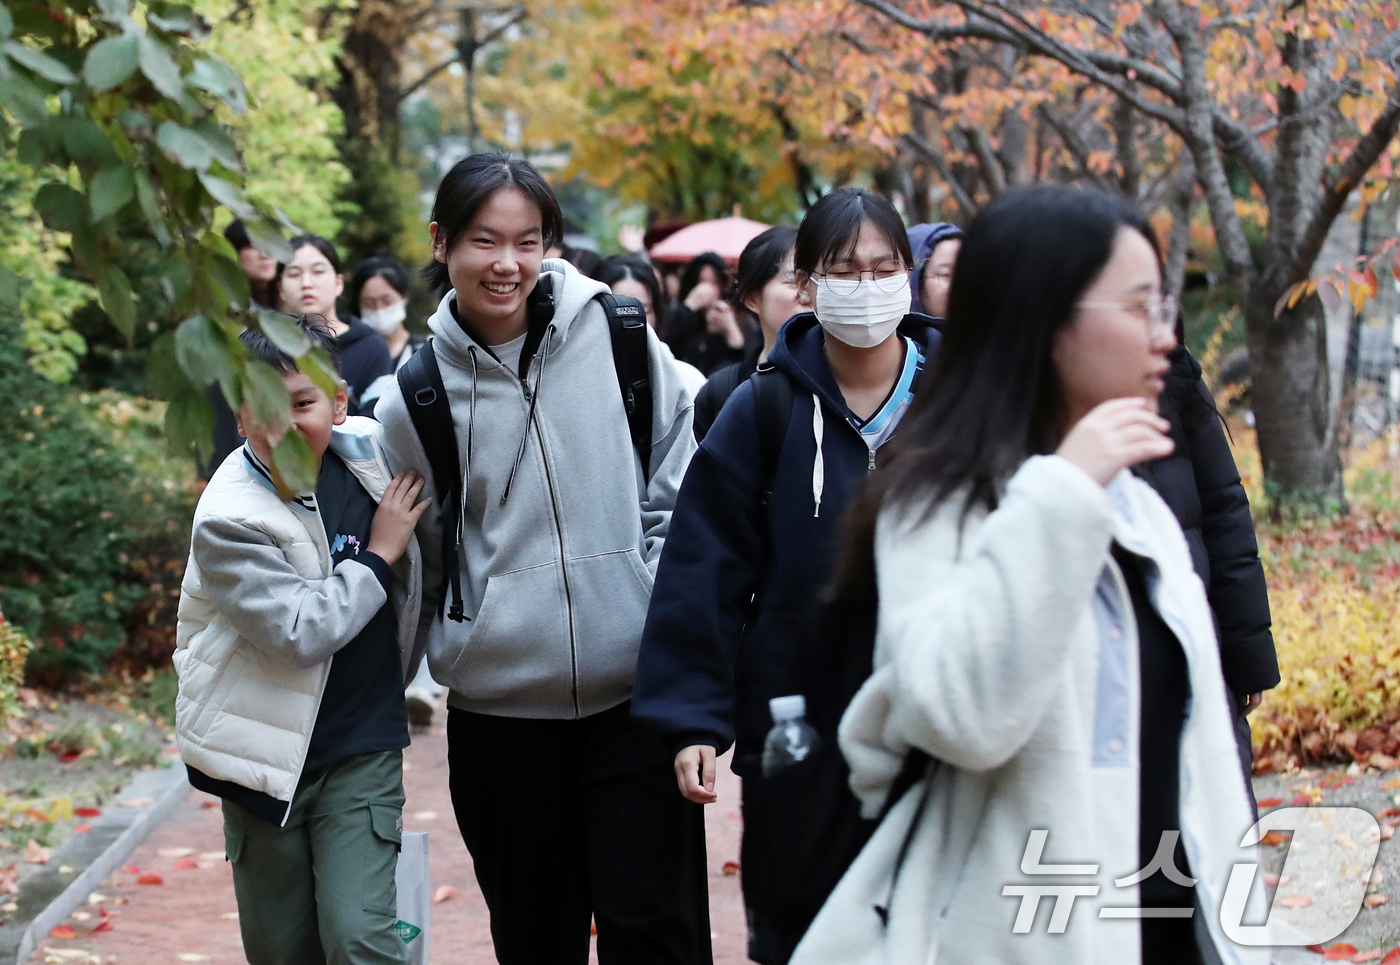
(1291, 399)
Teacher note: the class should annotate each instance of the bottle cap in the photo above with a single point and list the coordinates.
(788, 708)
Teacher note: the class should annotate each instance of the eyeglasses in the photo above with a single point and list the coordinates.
(1158, 312)
(889, 276)
(317, 271)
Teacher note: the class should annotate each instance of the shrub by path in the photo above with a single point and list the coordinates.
(191, 915)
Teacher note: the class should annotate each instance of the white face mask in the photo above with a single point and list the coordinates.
(865, 317)
(385, 320)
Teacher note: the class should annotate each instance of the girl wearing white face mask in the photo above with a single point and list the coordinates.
(379, 289)
(750, 548)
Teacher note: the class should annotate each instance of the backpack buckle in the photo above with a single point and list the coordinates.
(425, 396)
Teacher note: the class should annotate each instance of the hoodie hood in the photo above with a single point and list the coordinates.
(557, 300)
(357, 331)
(923, 238)
(799, 352)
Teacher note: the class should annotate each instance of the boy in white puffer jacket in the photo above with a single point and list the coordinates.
(296, 622)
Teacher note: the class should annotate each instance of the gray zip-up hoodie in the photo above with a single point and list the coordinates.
(560, 538)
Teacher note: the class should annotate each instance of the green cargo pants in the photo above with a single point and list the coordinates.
(320, 891)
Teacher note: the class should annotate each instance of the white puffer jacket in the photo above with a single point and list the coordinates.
(1007, 650)
(254, 647)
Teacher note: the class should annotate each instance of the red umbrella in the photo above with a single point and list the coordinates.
(726, 237)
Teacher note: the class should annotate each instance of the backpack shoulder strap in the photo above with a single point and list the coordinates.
(773, 399)
(425, 397)
(627, 326)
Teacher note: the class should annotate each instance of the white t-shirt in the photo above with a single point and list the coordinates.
(509, 352)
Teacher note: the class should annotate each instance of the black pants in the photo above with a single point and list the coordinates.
(572, 820)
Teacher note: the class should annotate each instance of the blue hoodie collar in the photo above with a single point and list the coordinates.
(799, 352)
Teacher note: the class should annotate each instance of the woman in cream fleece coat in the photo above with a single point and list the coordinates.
(1042, 636)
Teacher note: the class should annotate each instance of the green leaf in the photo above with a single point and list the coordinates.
(10, 293)
(41, 63)
(189, 424)
(231, 278)
(221, 80)
(268, 239)
(265, 394)
(180, 20)
(284, 332)
(220, 144)
(150, 207)
(117, 299)
(114, 10)
(184, 146)
(228, 195)
(159, 69)
(7, 23)
(60, 207)
(35, 146)
(295, 463)
(164, 377)
(86, 143)
(202, 350)
(111, 190)
(24, 100)
(319, 368)
(111, 61)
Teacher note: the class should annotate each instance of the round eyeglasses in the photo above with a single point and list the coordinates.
(888, 276)
(1157, 311)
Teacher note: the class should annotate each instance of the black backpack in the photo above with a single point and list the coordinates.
(425, 397)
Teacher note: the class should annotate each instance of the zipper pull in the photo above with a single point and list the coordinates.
(871, 466)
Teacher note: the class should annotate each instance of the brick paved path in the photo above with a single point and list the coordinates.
(191, 915)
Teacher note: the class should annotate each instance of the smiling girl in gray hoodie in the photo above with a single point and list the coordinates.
(567, 806)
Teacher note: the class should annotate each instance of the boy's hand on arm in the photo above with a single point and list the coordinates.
(695, 773)
(396, 517)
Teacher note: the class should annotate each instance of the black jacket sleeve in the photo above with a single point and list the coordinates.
(706, 581)
(1238, 593)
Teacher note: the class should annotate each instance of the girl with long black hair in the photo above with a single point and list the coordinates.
(1043, 646)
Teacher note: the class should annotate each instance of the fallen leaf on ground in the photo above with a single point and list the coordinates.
(211, 856)
(34, 853)
(1371, 901)
(1339, 952)
(185, 863)
(134, 802)
(192, 957)
(1370, 956)
(1387, 832)
(88, 812)
(81, 828)
(730, 869)
(425, 816)
(1377, 877)
(1274, 838)
(80, 916)
(1335, 781)
(1392, 957)
(175, 852)
(1270, 880)
(62, 931)
(104, 925)
(1296, 901)
(592, 928)
(131, 869)
(1302, 800)
(151, 878)
(65, 869)
(1391, 785)
(209, 804)
(34, 814)
(96, 898)
(229, 916)
(443, 893)
(1270, 802)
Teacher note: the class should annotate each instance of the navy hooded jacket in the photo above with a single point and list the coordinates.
(737, 584)
(923, 238)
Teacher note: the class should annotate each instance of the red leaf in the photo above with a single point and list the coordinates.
(1295, 901)
(1392, 958)
(1271, 802)
(150, 878)
(36, 815)
(208, 804)
(186, 863)
(81, 828)
(1274, 839)
(730, 869)
(1370, 956)
(88, 812)
(1301, 801)
(131, 869)
(1339, 952)
(104, 925)
(69, 756)
(62, 931)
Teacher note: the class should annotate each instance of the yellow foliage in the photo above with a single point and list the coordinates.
(14, 650)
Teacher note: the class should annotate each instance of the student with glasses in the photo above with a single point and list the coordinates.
(729, 625)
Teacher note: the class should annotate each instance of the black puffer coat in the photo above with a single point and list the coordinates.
(1200, 483)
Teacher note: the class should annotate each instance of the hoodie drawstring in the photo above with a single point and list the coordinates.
(542, 355)
(819, 464)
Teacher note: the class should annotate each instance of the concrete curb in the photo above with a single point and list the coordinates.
(167, 788)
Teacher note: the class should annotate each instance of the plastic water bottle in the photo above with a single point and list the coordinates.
(792, 740)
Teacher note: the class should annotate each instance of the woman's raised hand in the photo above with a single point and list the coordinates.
(1115, 435)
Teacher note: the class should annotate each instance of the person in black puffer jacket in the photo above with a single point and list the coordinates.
(1200, 483)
